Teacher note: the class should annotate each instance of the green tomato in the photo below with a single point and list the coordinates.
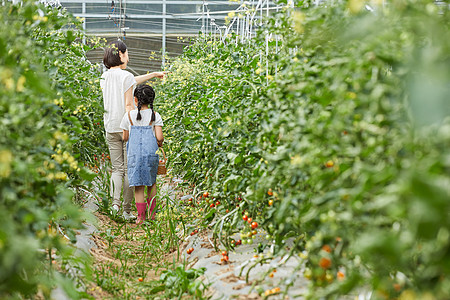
(307, 273)
(250, 241)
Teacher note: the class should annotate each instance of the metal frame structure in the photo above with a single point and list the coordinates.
(129, 17)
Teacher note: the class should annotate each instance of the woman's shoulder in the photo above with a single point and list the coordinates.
(105, 74)
(126, 73)
(117, 72)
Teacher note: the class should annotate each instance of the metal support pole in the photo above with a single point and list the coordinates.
(206, 21)
(120, 20)
(163, 62)
(203, 18)
(83, 10)
(237, 30)
(267, 47)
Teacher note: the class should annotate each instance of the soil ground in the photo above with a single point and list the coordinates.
(247, 275)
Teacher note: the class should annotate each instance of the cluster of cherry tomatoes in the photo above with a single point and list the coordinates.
(272, 291)
(252, 224)
(208, 200)
(236, 243)
(224, 257)
(252, 232)
(325, 273)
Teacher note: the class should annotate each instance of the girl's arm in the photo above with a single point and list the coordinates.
(159, 135)
(129, 99)
(125, 135)
(143, 78)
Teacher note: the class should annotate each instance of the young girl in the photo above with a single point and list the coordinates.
(117, 86)
(142, 128)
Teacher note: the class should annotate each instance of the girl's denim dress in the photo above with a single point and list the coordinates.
(142, 160)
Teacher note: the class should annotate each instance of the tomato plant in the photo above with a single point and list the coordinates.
(328, 126)
(45, 102)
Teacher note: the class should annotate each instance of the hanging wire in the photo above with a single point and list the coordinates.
(244, 24)
(120, 19)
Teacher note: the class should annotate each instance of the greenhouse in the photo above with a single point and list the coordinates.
(167, 149)
(153, 27)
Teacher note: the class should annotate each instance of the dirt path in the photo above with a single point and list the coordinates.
(246, 275)
(126, 263)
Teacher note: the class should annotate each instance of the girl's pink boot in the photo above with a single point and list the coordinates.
(152, 207)
(141, 207)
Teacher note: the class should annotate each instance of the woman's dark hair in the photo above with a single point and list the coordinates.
(145, 96)
(111, 57)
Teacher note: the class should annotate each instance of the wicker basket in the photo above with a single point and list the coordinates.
(162, 170)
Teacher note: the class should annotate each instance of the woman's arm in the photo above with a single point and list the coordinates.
(129, 99)
(125, 135)
(143, 78)
(159, 135)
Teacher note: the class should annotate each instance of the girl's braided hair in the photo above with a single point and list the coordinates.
(145, 96)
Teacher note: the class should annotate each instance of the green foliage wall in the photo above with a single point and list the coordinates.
(48, 108)
(347, 127)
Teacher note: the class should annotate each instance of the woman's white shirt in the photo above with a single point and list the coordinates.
(114, 84)
(146, 116)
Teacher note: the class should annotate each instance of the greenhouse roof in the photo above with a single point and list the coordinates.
(152, 17)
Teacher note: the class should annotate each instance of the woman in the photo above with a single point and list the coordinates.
(117, 87)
